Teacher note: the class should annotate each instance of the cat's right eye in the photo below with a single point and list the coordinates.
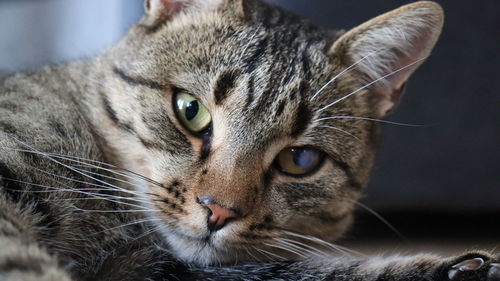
(299, 161)
(192, 114)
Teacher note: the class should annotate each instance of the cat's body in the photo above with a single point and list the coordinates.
(218, 195)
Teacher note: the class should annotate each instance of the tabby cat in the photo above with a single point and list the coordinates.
(220, 139)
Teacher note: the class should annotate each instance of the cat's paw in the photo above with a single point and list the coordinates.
(470, 268)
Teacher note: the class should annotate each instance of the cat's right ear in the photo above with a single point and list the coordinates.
(160, 11)
(389, 48)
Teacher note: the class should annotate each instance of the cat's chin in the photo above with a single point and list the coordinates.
(199, 251)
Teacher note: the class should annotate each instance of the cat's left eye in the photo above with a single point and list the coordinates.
(193, 115)
(299, 161)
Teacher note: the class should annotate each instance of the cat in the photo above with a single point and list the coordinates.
(219, 140)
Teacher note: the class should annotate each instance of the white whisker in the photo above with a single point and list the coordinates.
(127, 224)
(310, 249)
(105, 187)
(89, 199)
(368, 119)
(115, 211)
(66, 166)
(285, 248)
(335, 247)
(369, 84)
(255, 259)
(55, 189)
(155, 229)
(352, 66)
(340, 130)
(111, 169)
(382, 219)
(269, 254)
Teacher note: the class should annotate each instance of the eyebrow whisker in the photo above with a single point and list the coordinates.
(369, 84)
(347, 70)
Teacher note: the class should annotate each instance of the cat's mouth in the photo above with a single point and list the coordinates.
(203, 250)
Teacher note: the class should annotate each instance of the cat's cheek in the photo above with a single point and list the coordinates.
(192, 220)
(142, 163)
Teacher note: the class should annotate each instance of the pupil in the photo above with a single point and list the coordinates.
(304, 158)
(192, 110)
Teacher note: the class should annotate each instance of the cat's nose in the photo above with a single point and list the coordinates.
(218, 216)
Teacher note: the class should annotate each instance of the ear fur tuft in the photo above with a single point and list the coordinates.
(158, 11)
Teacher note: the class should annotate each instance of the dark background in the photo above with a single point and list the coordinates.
(450, 166)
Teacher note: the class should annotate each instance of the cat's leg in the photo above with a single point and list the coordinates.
(470, 267)
(147, 260)
(478, 266)
(21, 257)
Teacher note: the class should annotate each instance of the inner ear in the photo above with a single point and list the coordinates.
(390, 48)
(159, 11)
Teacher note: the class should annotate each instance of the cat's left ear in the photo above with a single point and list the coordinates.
(398, 42)
(158, 11)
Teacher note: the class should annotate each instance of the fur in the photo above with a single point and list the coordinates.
(101, 181)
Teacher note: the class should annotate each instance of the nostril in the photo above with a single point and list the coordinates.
(217, 216)
(209, 212)
(213, 226)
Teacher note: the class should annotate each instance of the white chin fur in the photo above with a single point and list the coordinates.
(197, 251)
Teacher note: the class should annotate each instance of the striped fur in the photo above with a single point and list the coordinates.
(100, 181)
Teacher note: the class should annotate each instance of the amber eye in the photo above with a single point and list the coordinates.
(193, 115)
(299, 161)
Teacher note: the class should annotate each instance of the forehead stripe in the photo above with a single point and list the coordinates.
(252, 61)
(303, 118)
(137, 81)
(111, 113)
(225, 83)
(250, 92)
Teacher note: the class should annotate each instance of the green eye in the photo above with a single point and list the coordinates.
(192, 113)
(299, 161)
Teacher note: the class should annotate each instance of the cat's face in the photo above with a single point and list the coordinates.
(224, 104)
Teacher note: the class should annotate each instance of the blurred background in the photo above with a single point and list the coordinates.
(444, 176)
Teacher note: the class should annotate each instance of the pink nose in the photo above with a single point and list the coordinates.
(217, 216)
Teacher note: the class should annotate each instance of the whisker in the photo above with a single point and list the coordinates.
(369, 84)
(118, 171)
(284, 248)
(127, 224)
(383, 220)
(111, 178)
(112, 168)
(369, 119)
(305, 247)
(348, 69)
(340, 130)
(115, 211)
(268, 254)
(64, 165)
(93, 198)
(155, 229)
(105, 188)
(255, 259)
(98, 195)
(335, 247)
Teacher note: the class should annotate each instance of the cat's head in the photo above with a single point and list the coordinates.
(257, 124)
